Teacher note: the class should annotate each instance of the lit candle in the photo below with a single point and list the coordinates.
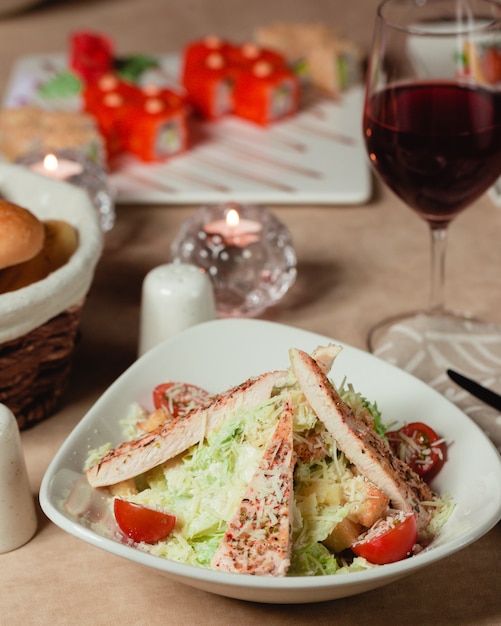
(235, 231)
(246, 252)
(59, 169)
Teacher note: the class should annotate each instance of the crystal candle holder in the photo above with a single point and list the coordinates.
(247, 253)
(75, 167)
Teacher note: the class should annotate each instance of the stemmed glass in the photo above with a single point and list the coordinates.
(432, 128)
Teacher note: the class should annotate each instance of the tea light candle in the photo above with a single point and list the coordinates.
(235, 231)
(81, 169)
(245, 250)
(59, 169)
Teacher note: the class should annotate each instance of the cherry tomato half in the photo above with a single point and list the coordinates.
(491, 65)
(179, 398)
(388, 541)
(420, 447)
(141, 523)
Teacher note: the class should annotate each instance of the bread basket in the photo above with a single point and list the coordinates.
(39, 323)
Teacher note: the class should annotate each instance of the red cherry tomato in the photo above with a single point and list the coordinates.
(491, 65)
(178, 399)
(141, 523)
(388, 540)
(420, 447)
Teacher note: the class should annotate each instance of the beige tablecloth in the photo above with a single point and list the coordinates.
(357, 264)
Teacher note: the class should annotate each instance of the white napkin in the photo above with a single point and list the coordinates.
(25, 309)
(472, 349)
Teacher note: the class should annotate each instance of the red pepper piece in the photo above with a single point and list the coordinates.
(91, 55)
(155, 127)
(108, 101)
(266, 93)
(196, 52)
(209, 85)
(246, 55)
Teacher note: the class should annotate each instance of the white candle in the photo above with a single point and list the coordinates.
(18, 518)
(174, 297)
(234, 230)
(59, 169)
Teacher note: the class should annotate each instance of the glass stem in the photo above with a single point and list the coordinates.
(438, 251)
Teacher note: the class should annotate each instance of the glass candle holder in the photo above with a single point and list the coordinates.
(75, 167)
(247, 253)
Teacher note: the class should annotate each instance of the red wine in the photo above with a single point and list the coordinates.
(437, 145)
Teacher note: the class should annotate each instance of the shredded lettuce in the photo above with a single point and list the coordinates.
(95, 455)
(204, 486)
(313, 560)
(362, 405)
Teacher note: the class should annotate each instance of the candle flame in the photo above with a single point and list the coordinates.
(232, 218)
(50, 162)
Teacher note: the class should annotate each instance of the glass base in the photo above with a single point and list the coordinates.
(92, 178)
(427, 344)
(249, 270)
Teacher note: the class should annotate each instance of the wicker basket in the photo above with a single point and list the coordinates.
(39, 324)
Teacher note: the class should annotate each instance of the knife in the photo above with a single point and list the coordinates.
(482, 393)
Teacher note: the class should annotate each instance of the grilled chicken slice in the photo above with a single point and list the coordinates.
(257, 540)
(325, 356)
(168, 440)
(359, 441)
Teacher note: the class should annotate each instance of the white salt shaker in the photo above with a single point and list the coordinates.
(174, 297)
(18, 518)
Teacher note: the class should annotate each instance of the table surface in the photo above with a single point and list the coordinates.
(347, 280)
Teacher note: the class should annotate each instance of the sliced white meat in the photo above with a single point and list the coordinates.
(168, 440)
(359, 441)
(257, 540)
(325, 356)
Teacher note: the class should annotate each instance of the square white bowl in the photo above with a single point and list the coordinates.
(222, 353)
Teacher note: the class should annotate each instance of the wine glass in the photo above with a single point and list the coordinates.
(432, 128)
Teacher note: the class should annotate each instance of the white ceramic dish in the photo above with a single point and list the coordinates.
(222, 353)
(316, 157)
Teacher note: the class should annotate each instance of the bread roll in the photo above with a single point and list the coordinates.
(61, 241)
(21, 234)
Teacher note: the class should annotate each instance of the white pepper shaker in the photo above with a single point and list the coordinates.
(174, 297)
(18, 518)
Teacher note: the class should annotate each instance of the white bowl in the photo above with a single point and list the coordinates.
(219, 354)
(25, 309)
